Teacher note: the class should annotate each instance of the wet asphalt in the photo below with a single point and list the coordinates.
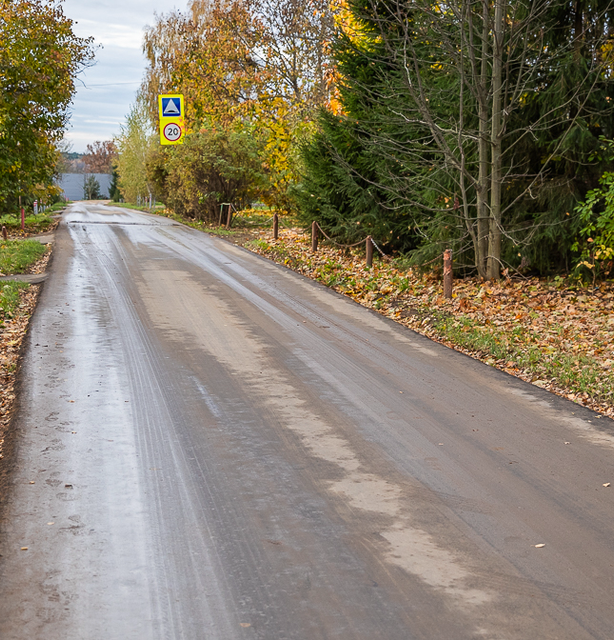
(211, 446)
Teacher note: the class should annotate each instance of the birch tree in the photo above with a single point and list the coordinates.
(134, 145)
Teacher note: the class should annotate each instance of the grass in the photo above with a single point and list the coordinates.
(131, 205)
(33, 224)
(17, 255)
(55, 208)
(9, 299)
(250, 218)
(242, 221)
(580, 373)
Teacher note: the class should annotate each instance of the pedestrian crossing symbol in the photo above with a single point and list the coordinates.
(172, 123)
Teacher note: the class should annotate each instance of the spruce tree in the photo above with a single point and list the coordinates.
(473, 128)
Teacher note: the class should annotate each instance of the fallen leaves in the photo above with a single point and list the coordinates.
(559, 339)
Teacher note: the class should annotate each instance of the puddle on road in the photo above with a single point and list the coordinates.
(188, 310)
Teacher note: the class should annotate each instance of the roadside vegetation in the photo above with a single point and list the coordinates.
(17, 302)
(32, 224)
(40, 57)
(10, 299)
(555, 333)
(502, 156)
(17, 255)
(158, 208)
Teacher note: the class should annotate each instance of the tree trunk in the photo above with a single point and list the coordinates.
(494, 237)
(482, 191)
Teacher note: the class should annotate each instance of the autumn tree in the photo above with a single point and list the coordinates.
(134, 144)
(206, 54)
(40, 57)
(239, 61)
(100, 157)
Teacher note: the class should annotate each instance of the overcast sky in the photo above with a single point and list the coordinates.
(106, 91)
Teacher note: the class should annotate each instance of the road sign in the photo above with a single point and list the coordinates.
(171, 108)
(172, 123)
(172, 132)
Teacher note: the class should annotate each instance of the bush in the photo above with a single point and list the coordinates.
(210, 168)
(597, 216)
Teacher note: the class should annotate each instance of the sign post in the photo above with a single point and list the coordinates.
(172, 118)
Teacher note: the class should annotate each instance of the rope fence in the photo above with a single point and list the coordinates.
(369, 243)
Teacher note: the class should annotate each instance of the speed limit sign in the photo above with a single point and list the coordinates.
(172, 132)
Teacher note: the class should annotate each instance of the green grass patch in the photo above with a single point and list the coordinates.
(244, 220)
(9, 299)
(198, 224)
(17, 255)
(578, 373)
(55, 208)
(33, 224)
(251, 218)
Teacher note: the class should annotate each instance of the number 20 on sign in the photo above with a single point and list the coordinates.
(172, 122)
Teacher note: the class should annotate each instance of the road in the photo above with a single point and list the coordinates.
(211, 446)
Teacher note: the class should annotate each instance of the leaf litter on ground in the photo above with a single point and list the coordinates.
(556, 337)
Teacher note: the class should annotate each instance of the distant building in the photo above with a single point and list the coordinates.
(72, 184)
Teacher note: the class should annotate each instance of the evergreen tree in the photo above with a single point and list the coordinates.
(470, 127)
(114, 192)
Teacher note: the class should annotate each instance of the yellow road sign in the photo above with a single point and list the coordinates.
(172, 118)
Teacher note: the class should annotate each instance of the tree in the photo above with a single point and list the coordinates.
(100, 157)
(114, 191)
(465, 122)
(40, 57)
(206, 54)
(91, 188)
(134, 144)
(212, 167)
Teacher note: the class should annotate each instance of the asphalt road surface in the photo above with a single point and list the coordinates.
(211, 446)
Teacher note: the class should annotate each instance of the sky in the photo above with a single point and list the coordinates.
(106, 90)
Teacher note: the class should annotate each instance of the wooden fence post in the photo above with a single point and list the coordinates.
(369, 250)
(275, 227)
(314, 236)
(5, 235)
(447, 273)
(229, 217)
